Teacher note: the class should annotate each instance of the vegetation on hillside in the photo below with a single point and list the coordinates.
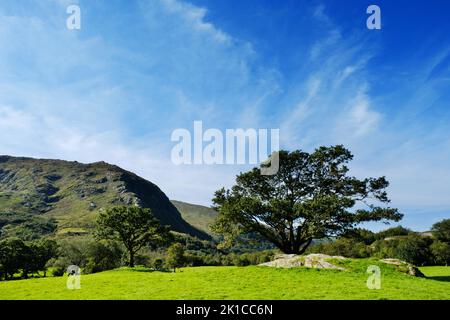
(397, 242)
(40, 197)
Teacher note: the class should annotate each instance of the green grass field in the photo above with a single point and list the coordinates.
(238, 283)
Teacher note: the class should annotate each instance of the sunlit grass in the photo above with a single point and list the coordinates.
(237, 283)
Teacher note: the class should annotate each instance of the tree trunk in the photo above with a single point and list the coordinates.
(296, 247)
(131, 263)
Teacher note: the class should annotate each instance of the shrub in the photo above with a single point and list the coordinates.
(361, 235)
(74, 251)
(103, 255)
(175, 256)
(393, 232)
(441, 252)
(347, 247)
(415, 250)
(383, 249)
(158, 264)
(91, 256)
(441, 230)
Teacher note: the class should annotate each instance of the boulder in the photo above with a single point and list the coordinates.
(405, 267)
(315, 260)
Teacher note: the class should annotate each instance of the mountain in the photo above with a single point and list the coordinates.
(43, 195)
(200, 217)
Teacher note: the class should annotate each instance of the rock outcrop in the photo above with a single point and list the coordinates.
(323, 261)
(315, 260)
(405, 267)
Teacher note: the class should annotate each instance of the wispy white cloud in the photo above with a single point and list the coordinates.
(195, 18)
(359, 119)
(81, 96)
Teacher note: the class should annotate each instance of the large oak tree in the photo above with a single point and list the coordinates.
(312, 196)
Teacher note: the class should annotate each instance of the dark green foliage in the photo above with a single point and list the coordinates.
(175, 256)
(350, 248)
(368, 237)
(25, 226)
(415, 250)
(398, 242)
(385, 248)
(361, 235)
(247, 259)
(195, 259)
(135, 227)
(88, 254)
(441, 252)
(13, 253)
(143, 260)
(103, 255)
(394, 232)
(74, 251)
(310, 197)
(441, 230)
(250, 242)
(28, 258)
(59, 269)
(158, 264)
(41, 252)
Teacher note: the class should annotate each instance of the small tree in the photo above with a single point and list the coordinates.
(414, 249)
(441, 230)
(135, 227)
(103, 255)
(42, 251)
(13, 257)
(441, 252)
(175, 256)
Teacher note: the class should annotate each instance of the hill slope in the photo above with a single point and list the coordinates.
(199, 216)
(71, 193)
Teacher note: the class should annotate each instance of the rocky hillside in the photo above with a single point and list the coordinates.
(66, 196)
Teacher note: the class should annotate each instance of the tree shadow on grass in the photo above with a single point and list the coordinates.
(440, 278)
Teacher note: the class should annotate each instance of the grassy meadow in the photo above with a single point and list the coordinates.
(251, 282)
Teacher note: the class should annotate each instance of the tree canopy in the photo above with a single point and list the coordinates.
(441, 230)
(135, 227)
(175, 256)
(311, 196)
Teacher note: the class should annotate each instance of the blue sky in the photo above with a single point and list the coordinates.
(137, 70)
